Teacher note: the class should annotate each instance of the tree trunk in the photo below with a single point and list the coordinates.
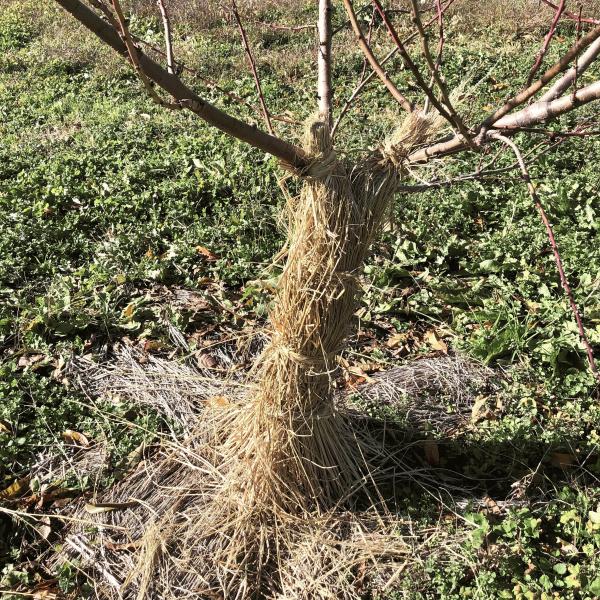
(292, 440)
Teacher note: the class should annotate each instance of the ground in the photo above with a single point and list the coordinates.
(124, 223)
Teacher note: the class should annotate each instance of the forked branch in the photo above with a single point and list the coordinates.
(375, 65)
(132, 53)
(172, 84)
(434, 67)
(540, 55)
(546, 78)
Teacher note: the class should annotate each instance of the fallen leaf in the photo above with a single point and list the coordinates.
(395, 340)
(206, 253)
(567, 547)
(206, 361)
(151, 345)
(15, 489)
(44, 529)
(479, 410)
(432, 452)
(6, 427)
(357, 371)
(74, 437)
(46, 590)
(29, 360)
(562, 459)
(217, 401)
(432, 338)
(492, 505)
(96, 509)
(125, 546)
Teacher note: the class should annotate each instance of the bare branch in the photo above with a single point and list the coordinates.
(363, 82)
(548, 76)
(585, 60)
(454, 118)
(252, 65)
(376, 66)
(542, 111)
(324, 88)
(286, 152)
(576, 65)
(410, 65)
(559, 265)
(132, 52)
(540, 55)
(525, 118)
(168, 37)
(573, 16)
(277, 27)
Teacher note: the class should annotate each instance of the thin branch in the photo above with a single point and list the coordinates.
(483, 172)
(441, 37)
(375, 65)
(168, 37)
(252, 66)
(576, 65)
(211, 83)
(363, 82)
(559, 264)
(540, 55)
(324, 89)
(584, 61)
(172, 84)
(455, 119)
(277, 27)
(573, 16)
(550, 74)
(132, 52)
(410, 65)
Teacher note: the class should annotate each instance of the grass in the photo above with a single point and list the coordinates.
(108, 204)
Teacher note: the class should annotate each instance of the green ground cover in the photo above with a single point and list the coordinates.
(106, 201)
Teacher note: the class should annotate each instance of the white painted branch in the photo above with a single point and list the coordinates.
(324, 88)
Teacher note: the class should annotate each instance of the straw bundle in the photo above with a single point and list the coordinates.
(263, 477)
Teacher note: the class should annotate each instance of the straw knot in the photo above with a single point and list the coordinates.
(318, 145)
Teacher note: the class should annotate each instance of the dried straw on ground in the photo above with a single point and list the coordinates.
(272, 475)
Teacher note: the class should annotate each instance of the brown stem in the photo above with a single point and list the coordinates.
(168, 37)
(455, 119)
(252, 65)
(559, 264)
(375, 65)
(410, 65)
(132, 52)
(573, 16)
(363, 82)
(171, 83)
(576, 65)
(540, 55)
